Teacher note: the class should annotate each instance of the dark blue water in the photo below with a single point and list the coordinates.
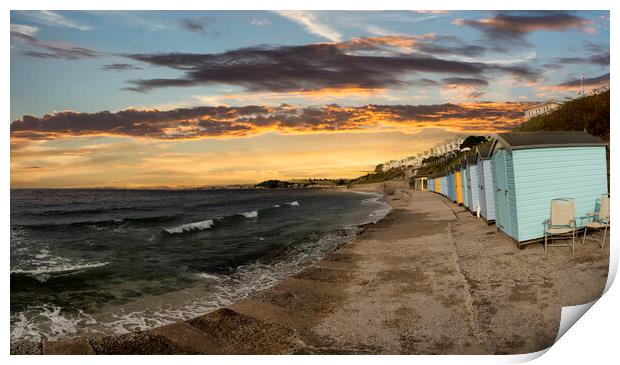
(112, 261)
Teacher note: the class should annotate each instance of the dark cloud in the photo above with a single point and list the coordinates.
(53, 49)
(429, 44)
(513, 27)
(120, 67)
(464, 50)
(307, 67)
(199, 25)
(210, 122)
(592, 47)
(601, 59)
(424, 82)
(464, 81)
(591, 81)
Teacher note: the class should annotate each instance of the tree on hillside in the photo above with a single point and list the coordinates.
(472, 141)
(379, 167)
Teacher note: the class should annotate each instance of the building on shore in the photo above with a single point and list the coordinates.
(542, 108)
(447, 146)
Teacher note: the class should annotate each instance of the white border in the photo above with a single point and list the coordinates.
(591, 339)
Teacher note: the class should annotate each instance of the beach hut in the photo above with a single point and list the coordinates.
(451, 194)
(485, 182)
(472, 182)
(442, 185)
(420, 183)
(437, 181)
(463, 169)
(532, 168)
(458, 188)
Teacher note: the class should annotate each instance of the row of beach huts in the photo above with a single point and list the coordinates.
(511, 180)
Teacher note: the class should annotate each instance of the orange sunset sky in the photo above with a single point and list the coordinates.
(180, 99)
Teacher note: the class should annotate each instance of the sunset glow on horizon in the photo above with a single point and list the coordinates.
(184, 99)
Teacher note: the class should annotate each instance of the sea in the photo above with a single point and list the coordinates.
(92, 262)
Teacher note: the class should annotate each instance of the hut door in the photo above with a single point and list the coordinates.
(481, 193)
(501, 194)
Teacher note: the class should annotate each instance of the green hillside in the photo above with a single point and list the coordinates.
(379, 176)
(590, 113)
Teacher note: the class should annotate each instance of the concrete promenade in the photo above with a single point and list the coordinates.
(430, 278)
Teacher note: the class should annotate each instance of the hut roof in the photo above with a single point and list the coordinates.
(471, 157)
(525, 140)
(484, 150)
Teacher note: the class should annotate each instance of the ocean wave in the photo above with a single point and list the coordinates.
(219, 290)
(43, 273)
(252, 214)
(190, 227)
(213, 222)
(97, 224)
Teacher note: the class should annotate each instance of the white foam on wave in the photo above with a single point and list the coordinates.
(294, 204)
(252, 214)
(195, 226)
(43, 272)
(204, 275)
(382, 210)
(220, 290)
(48, 322)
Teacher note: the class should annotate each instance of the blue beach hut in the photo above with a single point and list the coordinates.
(485, 182)
(442, 185)
(532, 168)
(463, 168)
(472, 182)
(451, 194)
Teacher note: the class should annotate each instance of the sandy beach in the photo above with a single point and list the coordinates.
(429, 278)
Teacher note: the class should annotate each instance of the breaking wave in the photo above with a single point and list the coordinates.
(252, 214)
(212, 223)
(189, 227)
(44, 273)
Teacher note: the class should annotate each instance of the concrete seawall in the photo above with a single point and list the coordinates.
(427, 279)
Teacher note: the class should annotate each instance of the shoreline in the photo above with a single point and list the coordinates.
(408, 260)
(357, 228)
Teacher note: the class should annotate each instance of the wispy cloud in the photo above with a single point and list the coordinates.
(574, 84)
(312, 23)
(260, 22)
(587, 82)
(52, 19)
(27, 30)
(120, 67)
(203, 25)
(48, 49)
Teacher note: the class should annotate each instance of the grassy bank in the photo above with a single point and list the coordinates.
(590, 113)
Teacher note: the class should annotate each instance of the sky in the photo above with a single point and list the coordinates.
(195, 98)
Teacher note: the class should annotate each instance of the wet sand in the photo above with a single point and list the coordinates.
(429, 278)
